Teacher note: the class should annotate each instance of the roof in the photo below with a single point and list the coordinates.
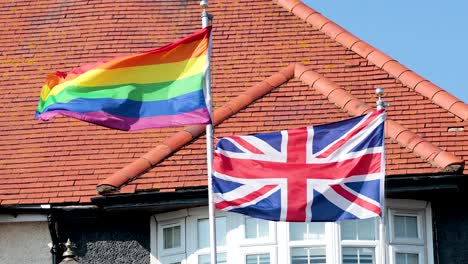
(275, 66)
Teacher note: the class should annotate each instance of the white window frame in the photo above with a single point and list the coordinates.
(424, 243)
(169, 220)
(419, 214)
(173, 259)
(407, 249)
(258, 250)
(325, 243)
(269, 240)
(375, 244)
(195, 214)
(277, 244)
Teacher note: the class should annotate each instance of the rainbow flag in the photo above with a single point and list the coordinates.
(157, 88)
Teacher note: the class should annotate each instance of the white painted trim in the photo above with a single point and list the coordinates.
(429, 237)
(153, 241)
(168, 224)
(407, 249)
(419, 214)
(271, 250)
(172, 215)
(173, 259)
(8, 218)
(282, 236)
(334, 240)
(269, 240)
(277, 243)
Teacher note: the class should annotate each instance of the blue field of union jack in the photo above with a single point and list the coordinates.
(321, 173)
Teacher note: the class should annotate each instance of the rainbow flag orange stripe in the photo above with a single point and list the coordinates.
(157, 88)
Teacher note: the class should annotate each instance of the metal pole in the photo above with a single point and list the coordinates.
(209, 140)
(383, 222)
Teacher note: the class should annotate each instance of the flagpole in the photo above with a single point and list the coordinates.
(383, 222)
(209, 139)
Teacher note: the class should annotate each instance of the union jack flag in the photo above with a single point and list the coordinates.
(320, 173)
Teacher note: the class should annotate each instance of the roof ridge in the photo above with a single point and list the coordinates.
(400, 72)
(333, 92)
(354, 106)
(189, 133)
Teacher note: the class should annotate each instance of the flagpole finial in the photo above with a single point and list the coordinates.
(380, 104)
(204, 4)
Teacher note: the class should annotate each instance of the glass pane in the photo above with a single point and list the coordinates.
(205, 259)
(308, 256)
(358, 255)
(171, 237)
(204, 232)
(406, 226)
(256, 228)
(306, 231)
(406, 258)
(362, 229)
(257, 259)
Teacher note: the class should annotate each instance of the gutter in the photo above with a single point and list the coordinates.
(426, 187)
(153, 202)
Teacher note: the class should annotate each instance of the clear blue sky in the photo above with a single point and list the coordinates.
(430, 37)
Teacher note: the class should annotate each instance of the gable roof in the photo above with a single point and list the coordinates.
(64, 160)
(427, 151)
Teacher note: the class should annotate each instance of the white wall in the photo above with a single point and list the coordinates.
(24, 242)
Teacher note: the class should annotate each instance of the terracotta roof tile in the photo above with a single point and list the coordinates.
(335, 94)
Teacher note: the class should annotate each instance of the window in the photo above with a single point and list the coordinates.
(306, 231)
(358, 255)
(257, 259)
(358, 229)
(205, 258)
(183, 237)
(256, 228)
(312, 255)
(172, 237)
(410, 232)
(203, 232)
(406, 258)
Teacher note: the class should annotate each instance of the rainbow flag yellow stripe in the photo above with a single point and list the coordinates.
(157, 88)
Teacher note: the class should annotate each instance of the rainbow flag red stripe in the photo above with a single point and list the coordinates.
(157, 88)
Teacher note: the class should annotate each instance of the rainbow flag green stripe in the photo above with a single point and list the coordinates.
(157, 88)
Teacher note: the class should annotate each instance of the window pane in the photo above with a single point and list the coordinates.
(406, 258)
(306, 231)
(308, 256)
(257, 259)
(358, 255)
(363, 229)
(205, 259)
(406, 226)
(204, 232)
(171, 237)
(256, 228)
